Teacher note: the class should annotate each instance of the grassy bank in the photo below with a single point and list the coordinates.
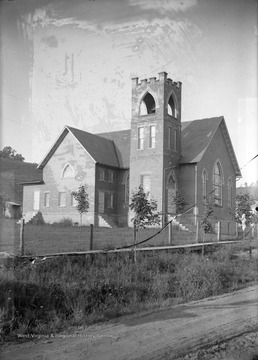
(48, 296)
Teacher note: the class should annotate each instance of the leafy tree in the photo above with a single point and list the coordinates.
(144, 209)
(180, 202)
(244, 201)
(205, 220)
(82, 198)
(9, 153)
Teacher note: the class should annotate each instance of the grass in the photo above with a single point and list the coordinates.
(48, 296)
(47, 239)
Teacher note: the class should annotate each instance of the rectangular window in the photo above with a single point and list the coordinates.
(46, 198)
(101, 202)
(152, 136)
(101, 174)
(169, 137)
(140, 138)
(110, 176)
(62, 199)
(110, 199)
(175, 139)
(73, 201)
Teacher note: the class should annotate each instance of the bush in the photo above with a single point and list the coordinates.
(37, 219)
(65, 222)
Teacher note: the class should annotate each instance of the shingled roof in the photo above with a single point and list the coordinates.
(113, 148)
(122, 140)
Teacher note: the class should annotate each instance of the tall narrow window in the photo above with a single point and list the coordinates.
(101, 174)
(175, 139)
(110, 200)
(62, 199)
(204, 186)
(46, 198)
(230, 193)
(172, 109)
(140, 138)
(110, 176)
(73, 201)
(169, 137)
(147, 105)
(217, 184)
(152, 136)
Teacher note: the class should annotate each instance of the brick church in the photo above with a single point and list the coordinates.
(165, 155)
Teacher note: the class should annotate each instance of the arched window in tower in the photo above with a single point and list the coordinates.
(147, 105)
(172, 108)
(68, 172)
(217, 183)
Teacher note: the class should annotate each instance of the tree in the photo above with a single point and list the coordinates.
(244, 201)
(144, 209)
(82, 198)
(9, 153)
(180, 202)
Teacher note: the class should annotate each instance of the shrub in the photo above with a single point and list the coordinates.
(37, 219)
(64, 222)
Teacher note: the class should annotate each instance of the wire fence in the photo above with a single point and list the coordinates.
(49, 239)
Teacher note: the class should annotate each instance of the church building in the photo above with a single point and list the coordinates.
(166, 156)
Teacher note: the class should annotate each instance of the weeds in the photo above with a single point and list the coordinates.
(45, 296)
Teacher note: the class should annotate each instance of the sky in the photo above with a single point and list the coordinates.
(70, 63)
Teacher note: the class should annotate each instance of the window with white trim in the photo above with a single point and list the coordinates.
(73, 201)
(62, 199)
(140, 138)
(46, 198)
(152, 136)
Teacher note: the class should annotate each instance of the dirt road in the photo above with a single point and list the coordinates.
(163, 334)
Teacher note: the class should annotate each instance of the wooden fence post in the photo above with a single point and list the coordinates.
(91, 236)
(219, 231)
(22, 237)
(197, 232)
(134, 241)
(170, 229)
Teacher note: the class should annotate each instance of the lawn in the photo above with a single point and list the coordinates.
(49, 239)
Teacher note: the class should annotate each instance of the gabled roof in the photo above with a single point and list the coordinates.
(122, 140)
(100, 149)
(196, 136)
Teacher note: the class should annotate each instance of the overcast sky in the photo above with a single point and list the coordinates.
(69, 62)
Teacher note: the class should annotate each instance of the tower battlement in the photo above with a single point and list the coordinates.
(162, 78)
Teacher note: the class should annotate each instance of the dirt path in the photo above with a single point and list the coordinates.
(163, 334)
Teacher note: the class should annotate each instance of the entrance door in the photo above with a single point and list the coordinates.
(36, 200)
(101, 202)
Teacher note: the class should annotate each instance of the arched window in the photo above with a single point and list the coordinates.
(217, 183)
(172, 108)
(147, 105)
(230, 193)
(204, 186)
(68, 172)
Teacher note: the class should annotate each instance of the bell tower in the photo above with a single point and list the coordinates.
(155, 137)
